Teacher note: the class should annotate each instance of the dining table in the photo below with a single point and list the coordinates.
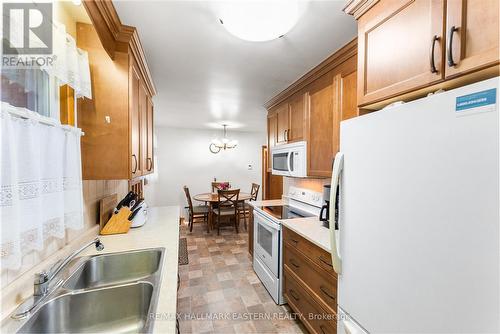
(213, 198)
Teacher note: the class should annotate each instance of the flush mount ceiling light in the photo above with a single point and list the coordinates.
(259, 21)
(223, 143)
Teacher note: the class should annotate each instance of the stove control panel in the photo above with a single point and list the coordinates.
(306, 196)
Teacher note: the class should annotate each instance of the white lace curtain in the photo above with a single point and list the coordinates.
(71, 64)
(41, 184)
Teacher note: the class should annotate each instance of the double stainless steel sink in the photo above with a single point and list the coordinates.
(114, 292)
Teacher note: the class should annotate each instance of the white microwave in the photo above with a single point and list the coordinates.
(290, 159)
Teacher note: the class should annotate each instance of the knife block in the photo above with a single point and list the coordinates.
(118, 223)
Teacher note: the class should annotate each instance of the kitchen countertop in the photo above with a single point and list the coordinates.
(161, 230)
(267, 202)
(310, 228)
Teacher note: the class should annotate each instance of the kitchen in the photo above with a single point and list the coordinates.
(251, 167)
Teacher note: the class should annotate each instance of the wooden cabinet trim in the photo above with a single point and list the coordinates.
(117, 37)
(347, 51)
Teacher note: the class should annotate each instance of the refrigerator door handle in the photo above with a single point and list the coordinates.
(338, 165)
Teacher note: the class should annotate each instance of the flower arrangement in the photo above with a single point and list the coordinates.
(224, 186)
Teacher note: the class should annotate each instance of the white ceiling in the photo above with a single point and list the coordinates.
(205, 76)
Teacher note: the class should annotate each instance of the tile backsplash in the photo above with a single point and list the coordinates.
(93, 191)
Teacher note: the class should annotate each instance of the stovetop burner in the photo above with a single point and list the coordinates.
(286, 212)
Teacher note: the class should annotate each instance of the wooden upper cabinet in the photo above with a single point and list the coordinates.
(297, 111)
(143, 115)
(282, 123)
(472, 30)
(272, 127)
(135, 123)
(394, 42)
(118, 119)
(320, 145)
(348, 103)
(150, 136)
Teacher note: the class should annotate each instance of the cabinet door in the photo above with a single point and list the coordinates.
(297, 107)
(472, 32)
(348, 103)
(272, 127)
(282, 123)
(150, 136)
(321, 120)
(143, 114)
(394, 39)
(135, 123)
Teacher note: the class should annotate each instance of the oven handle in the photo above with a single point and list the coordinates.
(338, 165)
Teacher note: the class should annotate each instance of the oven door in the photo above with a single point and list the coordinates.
(281, 162)
(266, 242)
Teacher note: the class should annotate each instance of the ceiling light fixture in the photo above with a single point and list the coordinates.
(222, 144)
(258, 20)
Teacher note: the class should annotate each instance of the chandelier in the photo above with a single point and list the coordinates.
(223, 143)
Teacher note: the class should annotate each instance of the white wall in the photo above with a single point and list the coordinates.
(183, 158)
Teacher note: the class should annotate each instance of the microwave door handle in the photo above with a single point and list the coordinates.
(288, 162)
(338, 165)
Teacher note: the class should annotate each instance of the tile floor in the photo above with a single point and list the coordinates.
(219, 291)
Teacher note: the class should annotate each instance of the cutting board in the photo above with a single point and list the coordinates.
(106, 207)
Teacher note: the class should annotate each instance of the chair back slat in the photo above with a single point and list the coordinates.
(228, 199)
(188, 197)
(255, 191)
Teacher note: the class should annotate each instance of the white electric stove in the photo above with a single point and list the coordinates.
(268, 241)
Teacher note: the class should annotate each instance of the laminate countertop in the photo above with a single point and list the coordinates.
(311, 229)
(161, 230)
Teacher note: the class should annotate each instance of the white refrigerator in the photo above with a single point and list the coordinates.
(417, 245)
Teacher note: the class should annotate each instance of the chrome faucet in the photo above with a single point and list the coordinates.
(43, 279)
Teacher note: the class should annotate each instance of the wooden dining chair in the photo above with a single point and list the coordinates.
(196, 213)
(242, 206)
(217, 186)
(227, 208)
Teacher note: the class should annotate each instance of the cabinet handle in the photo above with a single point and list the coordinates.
(325, 291)
(150, 164)
(431, 55)
(293, 294)
(136, 164)
(292, 261)
(324, 261)
(178, 281)
(451, 62)
(294, 241)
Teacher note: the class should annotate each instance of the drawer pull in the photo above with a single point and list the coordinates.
(325, 261)
(293, 294)
(325, 291)
(292, 261)
(323, 330)
(295, 241)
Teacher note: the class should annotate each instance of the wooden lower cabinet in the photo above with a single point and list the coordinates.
(310, 284)
(310, 313)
